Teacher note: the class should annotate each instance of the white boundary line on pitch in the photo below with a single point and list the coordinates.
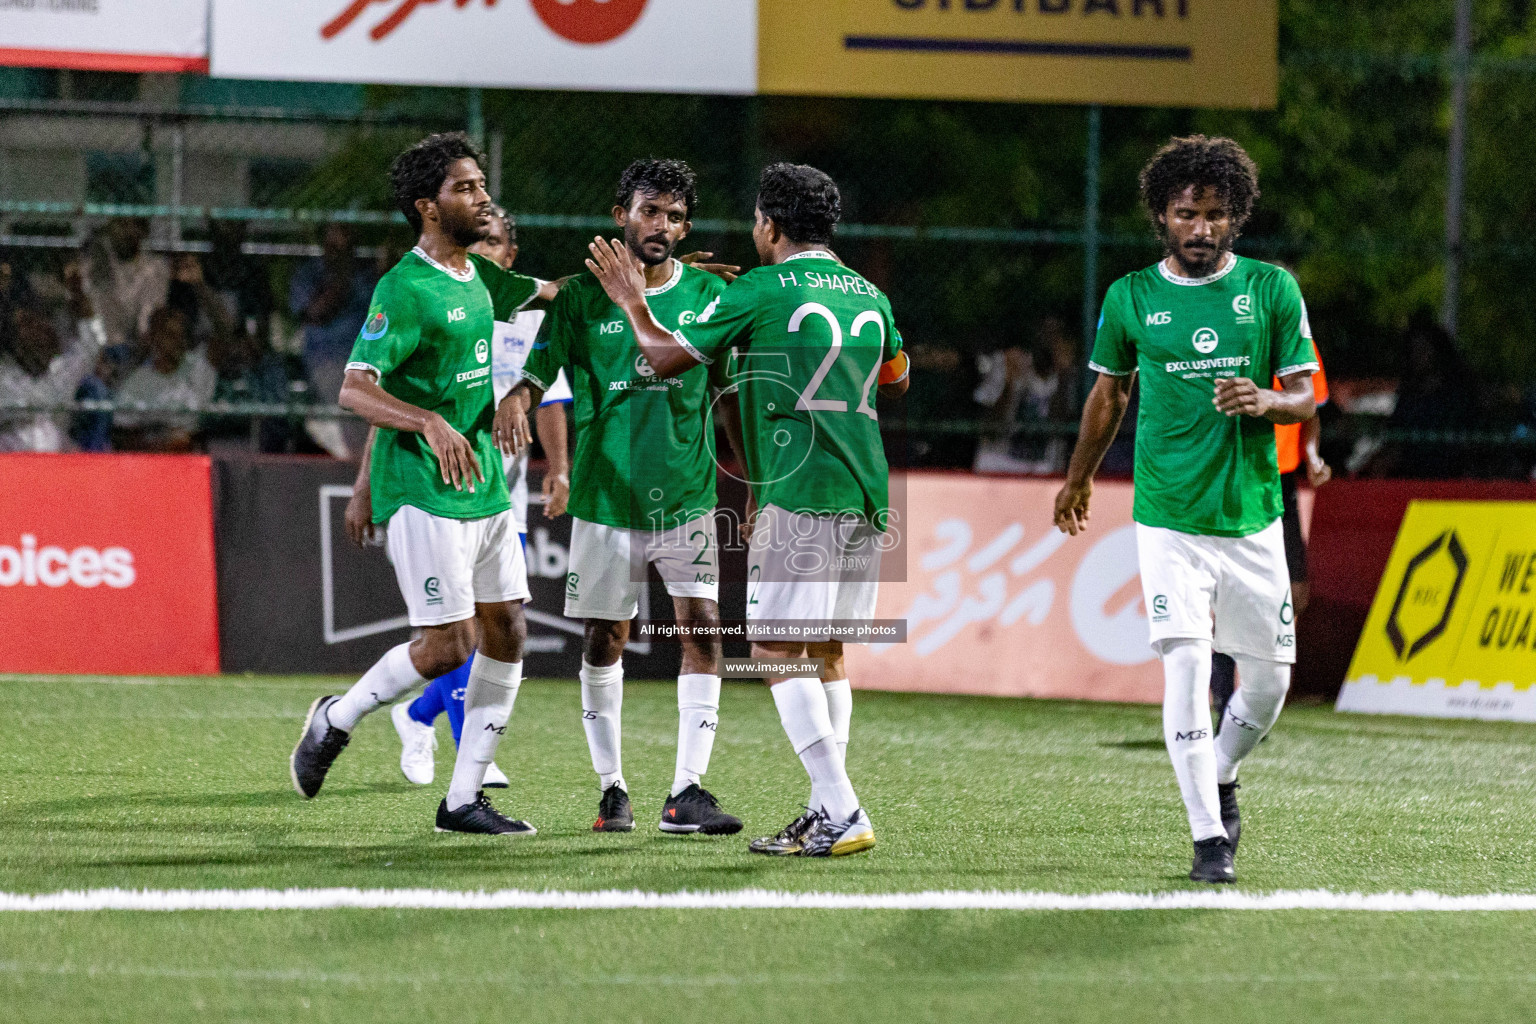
(748, 899)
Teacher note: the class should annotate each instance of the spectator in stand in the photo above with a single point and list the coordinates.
(249, 371)
(35, 367)
(1037, 386)
(330, 296)
(208, 320)
(126, 285)
(1438, 393)
(241, 282)
(174, 375)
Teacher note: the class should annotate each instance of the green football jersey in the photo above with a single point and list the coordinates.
(428, 339)
(644, 457)
(808, 337)
(1199, 470)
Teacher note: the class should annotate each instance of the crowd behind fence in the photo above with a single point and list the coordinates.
(226, 248)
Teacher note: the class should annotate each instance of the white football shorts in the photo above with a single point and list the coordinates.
(445, 566)
(812, 569)
(607, 568)
(1233, 591)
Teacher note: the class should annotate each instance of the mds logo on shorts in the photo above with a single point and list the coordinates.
(572, 584)
(1160, 608)
(433, 589)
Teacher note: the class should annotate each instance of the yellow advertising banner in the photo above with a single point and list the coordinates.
(1452, 632)
(1177, 53)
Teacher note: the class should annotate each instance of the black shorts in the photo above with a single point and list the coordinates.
(1290, 518)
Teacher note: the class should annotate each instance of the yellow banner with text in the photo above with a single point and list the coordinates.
(1452, 632)
(1179, 53)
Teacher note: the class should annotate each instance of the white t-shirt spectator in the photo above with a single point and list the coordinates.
(191, 383)
(45, 432)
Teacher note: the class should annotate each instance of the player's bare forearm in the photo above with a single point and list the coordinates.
(456, 459)
(1102, 414)
(1100, 423)
(361, 394)
(1295, 403)
(729, 407)
(621, 277)
(550, 423)
(510, 429)
(365, 466)
(359, 514)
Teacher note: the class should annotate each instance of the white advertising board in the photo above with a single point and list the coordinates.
(703, 46)
(105, 35)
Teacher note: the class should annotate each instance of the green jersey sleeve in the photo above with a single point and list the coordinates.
(391, 332)
(1291, 330)
(551, 349)
(1114, 350)
(509, 292)
(725, 322)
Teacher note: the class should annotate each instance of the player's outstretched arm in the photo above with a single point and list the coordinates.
(1239, 396)
(619, 273)
(456, 458)
(1102, 414)
(510, 429)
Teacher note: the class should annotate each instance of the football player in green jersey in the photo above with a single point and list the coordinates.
(1205, 330)
(420, 373)
(810, 338)
(642, 491)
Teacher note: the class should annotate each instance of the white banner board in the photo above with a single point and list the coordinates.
(705, 46)
(105, 35)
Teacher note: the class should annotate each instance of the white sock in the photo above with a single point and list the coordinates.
(840, 711)
(802, 705)
(1187, 732)
(698, 714)
(1252, 712)
(487, 706)
(602, 697)
(392, 677)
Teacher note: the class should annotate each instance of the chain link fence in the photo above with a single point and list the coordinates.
(970, 216)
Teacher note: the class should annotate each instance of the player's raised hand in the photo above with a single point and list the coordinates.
(456, 458)
(617, 270)
(727, 272)
(510, 428)
(1072, 507)
(1239, 396)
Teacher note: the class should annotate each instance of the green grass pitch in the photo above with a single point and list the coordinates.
(162, 784)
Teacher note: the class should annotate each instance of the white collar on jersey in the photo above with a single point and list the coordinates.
(677, 275)
(1192, 282)
(469, 272)
(811, 254)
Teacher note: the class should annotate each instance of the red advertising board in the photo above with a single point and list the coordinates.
(999, 602)
(106, 565)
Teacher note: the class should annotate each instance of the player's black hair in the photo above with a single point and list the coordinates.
(420, 171)
(802, 201)
(652, 177)
(1218, 164)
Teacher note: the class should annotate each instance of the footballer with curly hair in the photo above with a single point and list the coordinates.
(420, 373)
(1206, 331)
(642, 491)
